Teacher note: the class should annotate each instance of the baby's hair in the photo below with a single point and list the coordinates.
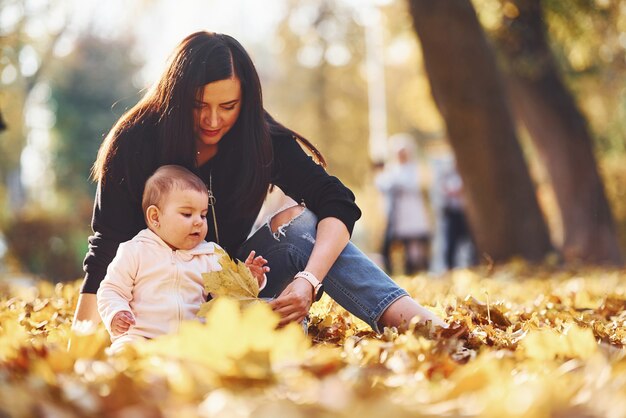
(167, 178)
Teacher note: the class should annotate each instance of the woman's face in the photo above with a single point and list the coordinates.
(216, 110)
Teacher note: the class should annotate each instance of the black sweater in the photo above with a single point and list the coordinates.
(118, 216)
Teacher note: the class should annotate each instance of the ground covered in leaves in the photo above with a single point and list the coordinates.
(522, 341)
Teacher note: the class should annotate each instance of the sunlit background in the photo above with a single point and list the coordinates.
(346, 74)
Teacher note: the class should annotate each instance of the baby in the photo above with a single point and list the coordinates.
(155, 280)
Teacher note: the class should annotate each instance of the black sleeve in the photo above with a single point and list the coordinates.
(117, 214)
(304, 180)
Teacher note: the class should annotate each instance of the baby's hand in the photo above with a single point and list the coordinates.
(121, 322)
(257, 266)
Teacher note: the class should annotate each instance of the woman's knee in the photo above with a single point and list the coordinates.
(284, 217)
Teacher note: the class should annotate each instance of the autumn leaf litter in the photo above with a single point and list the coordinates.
(522, 341)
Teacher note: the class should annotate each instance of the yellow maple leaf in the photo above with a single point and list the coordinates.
(234, 280)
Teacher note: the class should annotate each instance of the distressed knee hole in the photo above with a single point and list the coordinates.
(283, 218)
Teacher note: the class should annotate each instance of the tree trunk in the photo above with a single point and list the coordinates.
(561, 136)
(3, 126)
(502, 205)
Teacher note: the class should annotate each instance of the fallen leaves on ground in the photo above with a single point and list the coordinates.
(522, 342)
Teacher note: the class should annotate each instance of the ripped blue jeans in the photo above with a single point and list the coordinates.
(354, 281)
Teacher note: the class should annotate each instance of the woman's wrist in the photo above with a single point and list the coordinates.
(315, 283)
(312, 289)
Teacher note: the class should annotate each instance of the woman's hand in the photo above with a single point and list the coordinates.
(294, 303)
(121, 322)
(296, 300)
(257, 266)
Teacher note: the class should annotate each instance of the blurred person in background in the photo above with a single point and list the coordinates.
(206, 114)
(408, 222)
(454, 245)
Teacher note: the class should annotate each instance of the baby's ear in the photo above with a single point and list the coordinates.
(152, 216)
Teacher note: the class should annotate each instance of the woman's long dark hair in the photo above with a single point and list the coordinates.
(203, 58)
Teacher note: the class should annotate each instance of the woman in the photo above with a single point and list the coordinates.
(206, 114)
(407, 218)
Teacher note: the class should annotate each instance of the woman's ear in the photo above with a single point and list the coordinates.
(152, 216)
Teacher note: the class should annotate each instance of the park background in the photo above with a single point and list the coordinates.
(528, 95)
(345, 74)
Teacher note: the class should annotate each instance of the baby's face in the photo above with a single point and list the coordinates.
(183, 219)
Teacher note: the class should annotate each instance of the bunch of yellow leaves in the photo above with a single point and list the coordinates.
(234, 343)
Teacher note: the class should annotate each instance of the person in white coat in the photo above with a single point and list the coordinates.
(155, 280)
(408, 221)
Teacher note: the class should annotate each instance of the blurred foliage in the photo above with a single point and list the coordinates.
(46, 245)
(57, 93)
(29, 33)
(522, 342)
(91, 88)
(410, 106)
(322, 52)
(588, 41)
(87, 90)
(327, 100)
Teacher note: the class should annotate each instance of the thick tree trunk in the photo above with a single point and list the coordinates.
(502, 205)
(561, 136)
